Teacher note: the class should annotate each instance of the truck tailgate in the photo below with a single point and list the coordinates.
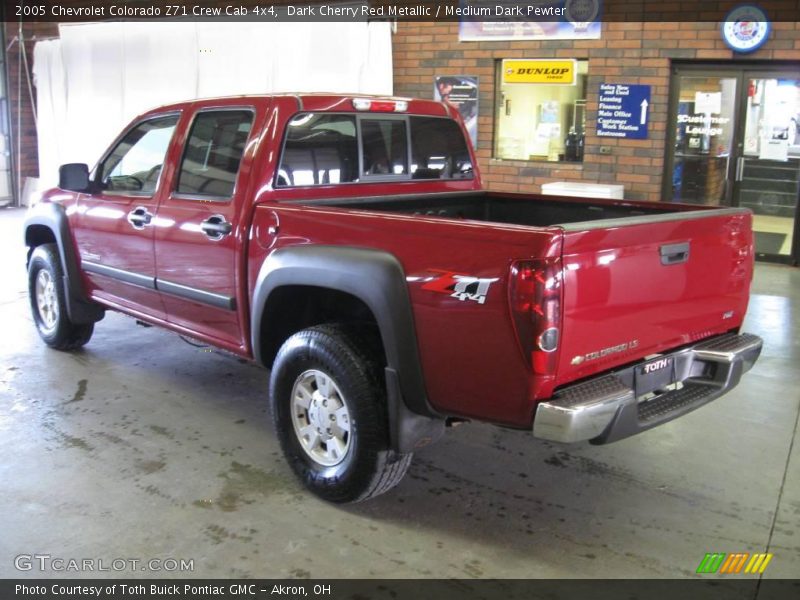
(640, 286)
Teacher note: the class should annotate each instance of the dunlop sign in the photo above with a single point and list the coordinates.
(558, 72)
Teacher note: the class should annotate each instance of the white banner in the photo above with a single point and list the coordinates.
(99, 76)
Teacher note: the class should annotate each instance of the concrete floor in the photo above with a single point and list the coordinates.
(143, 447)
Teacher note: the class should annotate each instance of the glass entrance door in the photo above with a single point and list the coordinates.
(734, 140)
(768, 165)
(704, 123)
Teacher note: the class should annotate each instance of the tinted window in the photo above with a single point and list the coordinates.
(213, 153)
(323, 149)
(319, 149)
(438, 150)
(135, 164)
(385, 147)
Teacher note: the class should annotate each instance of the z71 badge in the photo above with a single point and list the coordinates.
(460, 287)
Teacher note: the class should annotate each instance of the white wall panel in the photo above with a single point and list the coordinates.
(159, 66)
(93, 59)
(99, 76)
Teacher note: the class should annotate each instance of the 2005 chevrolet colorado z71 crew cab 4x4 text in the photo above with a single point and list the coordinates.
(347, 243)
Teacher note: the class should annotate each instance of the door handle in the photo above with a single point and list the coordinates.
(139, 217)
(674, 254)
(216, 227)
(740, 169)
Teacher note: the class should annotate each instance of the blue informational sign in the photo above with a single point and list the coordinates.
(623, 111)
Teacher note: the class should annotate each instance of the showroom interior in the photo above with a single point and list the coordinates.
(144, 445)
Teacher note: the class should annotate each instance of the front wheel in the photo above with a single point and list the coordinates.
(48, 302)
(328, 404)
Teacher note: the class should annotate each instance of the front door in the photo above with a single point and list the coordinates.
(114, 225)
(196, 253)
(735, 141)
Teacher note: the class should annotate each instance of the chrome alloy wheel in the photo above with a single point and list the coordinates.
(320, 418)
(46, 300)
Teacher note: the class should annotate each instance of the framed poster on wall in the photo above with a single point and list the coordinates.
(460, 92)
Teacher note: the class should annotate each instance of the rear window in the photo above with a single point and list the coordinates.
(438, 150)
(325, 148)
(319, 149)
(385, 143)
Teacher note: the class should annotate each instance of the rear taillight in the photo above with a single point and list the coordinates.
(535, 298)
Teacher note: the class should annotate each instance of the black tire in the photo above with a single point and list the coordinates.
(368, 467)
(54, 327)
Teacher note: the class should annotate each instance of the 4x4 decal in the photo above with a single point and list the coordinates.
(458, 286)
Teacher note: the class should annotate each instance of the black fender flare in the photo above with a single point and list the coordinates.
(376, 278)
(52, 216)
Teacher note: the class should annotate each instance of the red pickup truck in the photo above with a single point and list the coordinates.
(347, 243)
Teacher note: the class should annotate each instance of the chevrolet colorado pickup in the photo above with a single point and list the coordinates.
(347, 244)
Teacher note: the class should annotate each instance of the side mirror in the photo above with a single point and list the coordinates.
(74, 177)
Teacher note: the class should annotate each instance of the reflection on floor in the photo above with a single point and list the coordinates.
(769, 243)
(773, 225)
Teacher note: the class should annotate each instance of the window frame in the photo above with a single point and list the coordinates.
(97, 172)
(211, 197)
(498, 74)
(378, 178)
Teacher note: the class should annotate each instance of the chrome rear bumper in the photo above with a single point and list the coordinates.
(606, 409)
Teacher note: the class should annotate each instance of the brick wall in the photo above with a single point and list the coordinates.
(20, 103)
(628, 52)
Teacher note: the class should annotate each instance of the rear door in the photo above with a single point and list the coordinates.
(196, 254)
(637, 288)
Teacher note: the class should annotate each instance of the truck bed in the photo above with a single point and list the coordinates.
(637, 279)
(517, 209)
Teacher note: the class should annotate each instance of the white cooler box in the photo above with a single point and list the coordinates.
(584, 190)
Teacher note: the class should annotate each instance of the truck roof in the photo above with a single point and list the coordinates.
(319, 101)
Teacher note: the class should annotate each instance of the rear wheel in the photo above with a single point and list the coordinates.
(48, 302)
(329, 407)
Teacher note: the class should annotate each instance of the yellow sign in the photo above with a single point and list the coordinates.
(559, 72)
